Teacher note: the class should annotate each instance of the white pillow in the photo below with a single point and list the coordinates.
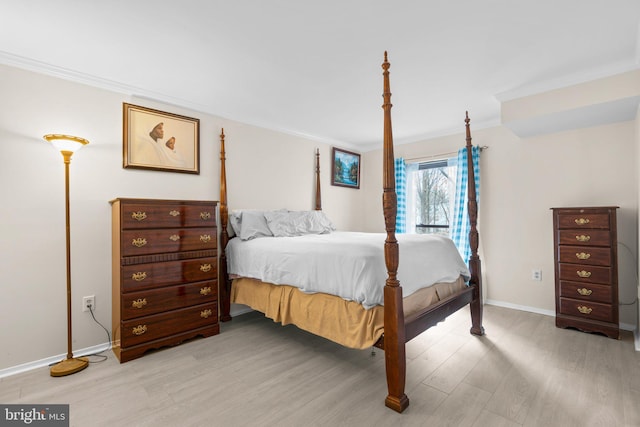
(253, 224)
(298, 223)
(234, 221)
(249, 224)
(324, 220)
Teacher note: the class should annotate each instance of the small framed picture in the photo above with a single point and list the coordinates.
(345, 168)
(160, 141)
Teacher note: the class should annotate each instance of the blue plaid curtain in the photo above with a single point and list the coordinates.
(401, 193)
(460, 225)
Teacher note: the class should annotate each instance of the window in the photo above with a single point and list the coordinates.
(431, 188)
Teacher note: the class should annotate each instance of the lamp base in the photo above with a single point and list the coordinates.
(69, 366)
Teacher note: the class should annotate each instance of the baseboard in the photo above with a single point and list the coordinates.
(628, 327)
(552, 313)
(53, 359)
(521, 307)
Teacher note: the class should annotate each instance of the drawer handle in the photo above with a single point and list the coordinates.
(139, 242)
(139, 216)
(582, 255)
(205, 291)
(139, 330)
(174, 213)
(205, 215)
(174, 237)
(583, 238)
(582, 221)
(584, 291)
(206, 313)
(139, 303)
(205, 267)
(139, 276)
(205, 238)
(584, 274)
(584, 310)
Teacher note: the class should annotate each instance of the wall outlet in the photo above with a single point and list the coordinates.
(89, 301)
(536, 274)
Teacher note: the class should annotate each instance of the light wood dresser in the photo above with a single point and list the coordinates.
(165, 287)
(586, 269)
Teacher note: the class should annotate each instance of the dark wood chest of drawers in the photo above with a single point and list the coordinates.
(586, 269)
(165, 267)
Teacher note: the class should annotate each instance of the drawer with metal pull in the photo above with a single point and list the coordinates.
(143, 276)
(584, 220)
(586, 291)
(585, 273)
(584, 237)
(586, 309)
(167, 215)
(144, 303)
(153, 241)
(584, 255)
(148, 328)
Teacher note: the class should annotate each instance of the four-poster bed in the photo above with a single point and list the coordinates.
(395, 319)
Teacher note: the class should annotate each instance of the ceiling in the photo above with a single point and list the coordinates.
(313, 68)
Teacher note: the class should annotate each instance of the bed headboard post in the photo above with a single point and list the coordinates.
(318, 193)
(472, 203)
(394, 340)
(223, 278)
(475, 266)
(389, 196)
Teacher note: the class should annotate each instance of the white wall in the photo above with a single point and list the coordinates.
(271, 170)
(521, 180)
(265, 169)
(637, 179)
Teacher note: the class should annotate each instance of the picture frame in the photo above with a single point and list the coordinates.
(160, 141)
(345, 168)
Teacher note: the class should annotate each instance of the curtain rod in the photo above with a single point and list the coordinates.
(441, 155)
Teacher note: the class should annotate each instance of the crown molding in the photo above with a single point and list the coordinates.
(94, 81)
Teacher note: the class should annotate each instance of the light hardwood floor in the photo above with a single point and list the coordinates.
(524, 372)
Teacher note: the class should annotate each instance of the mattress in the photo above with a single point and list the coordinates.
(349, 265)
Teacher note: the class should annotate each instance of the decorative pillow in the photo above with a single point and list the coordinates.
(253, 224)
(298, 223)
(231, 233)
(324, 220)
(234, 221)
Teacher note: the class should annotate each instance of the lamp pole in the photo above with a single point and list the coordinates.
(67, 160)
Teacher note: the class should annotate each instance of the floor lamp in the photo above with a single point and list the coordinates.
(67, 145)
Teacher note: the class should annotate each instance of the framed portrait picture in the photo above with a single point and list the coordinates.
(160, 141)
(345, 168)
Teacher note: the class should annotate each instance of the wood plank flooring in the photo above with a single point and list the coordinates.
(524, 372)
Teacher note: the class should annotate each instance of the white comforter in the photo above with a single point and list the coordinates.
(347, 264)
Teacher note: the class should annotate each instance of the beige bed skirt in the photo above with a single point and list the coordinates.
(345, 322)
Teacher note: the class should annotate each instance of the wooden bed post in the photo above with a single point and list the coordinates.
(223, 278)
(394, 333)
(318, 195)
(474, 259)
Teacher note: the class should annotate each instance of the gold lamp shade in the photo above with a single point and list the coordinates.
(66, 143)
